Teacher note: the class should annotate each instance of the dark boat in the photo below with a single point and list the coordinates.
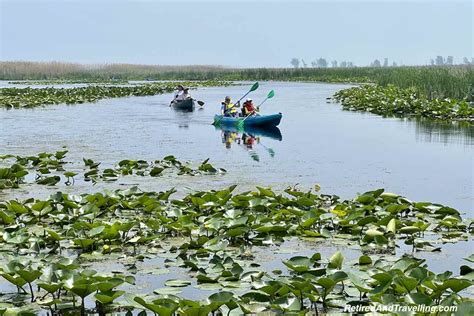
(257, 120)
(186, 105)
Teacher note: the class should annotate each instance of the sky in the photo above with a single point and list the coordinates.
(259, 33)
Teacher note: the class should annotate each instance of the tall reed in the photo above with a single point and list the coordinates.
(446, 81)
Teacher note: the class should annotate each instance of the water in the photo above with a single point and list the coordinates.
(317, 143)
(152, 273)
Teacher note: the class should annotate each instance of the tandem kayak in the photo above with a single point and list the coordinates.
(257, 120)
(187, 104)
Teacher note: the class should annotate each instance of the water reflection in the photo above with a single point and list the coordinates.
(250, 139)
(443, 132)
(183, 116)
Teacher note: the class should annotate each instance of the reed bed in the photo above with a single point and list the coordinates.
(431, 81)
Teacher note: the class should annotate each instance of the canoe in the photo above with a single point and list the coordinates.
(256, 120)
(272, 132)
(187, 104)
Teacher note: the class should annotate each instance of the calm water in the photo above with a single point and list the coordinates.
(317, 143)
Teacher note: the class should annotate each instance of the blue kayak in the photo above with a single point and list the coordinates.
(255, 120)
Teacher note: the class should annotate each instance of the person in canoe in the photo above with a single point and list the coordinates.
(248, 108)
(228, 108)
(182, 93)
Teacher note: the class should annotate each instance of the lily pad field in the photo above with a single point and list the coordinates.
(119, 205)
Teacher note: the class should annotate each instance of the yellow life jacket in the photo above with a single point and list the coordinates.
(229, 108)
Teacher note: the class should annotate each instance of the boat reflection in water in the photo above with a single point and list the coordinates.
(249, 138)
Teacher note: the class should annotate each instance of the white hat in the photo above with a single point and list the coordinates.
(248, 100)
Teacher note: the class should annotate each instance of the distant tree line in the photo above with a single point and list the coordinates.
(323, 63)
(377, 63)
(449, 61)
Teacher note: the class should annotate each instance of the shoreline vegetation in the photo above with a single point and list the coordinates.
(212, 240)
(435, 92)
(68, 81)
(432, 81)
(403, 102)
(33, 97)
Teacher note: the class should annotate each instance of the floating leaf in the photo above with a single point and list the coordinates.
(177, 283)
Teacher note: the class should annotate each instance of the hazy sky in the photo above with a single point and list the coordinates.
(244, 33)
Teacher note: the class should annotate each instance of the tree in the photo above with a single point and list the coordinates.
(394, 64)
(432, 62)
(322, 63)
(295, 62)
(439, 61)
(343, 64)
(375, 63)
(304, 64)
(314, 64)
(449, 60)
(466, 61)
(350, 64)
(385, 62)
(334, 64)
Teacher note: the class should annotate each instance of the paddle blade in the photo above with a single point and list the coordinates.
(254, 155)
(217, 120)
(240, 123)
(200, 103)
(271, 152)
(240, 128)
(271, 94)
(254, 87)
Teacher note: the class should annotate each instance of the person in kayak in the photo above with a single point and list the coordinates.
(228, 108)
(248, 108)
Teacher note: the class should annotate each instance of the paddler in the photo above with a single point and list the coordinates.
(248, 108)
(228, 108)
(182, 93)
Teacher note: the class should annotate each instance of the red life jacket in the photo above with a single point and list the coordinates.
(248, 107)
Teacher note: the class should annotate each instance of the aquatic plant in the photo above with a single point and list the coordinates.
(212, 237)
(12, 176)
(45, 164)
(394, 101)
(216, 229)
(31, 97)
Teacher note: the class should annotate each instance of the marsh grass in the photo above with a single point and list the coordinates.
(433, 82)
